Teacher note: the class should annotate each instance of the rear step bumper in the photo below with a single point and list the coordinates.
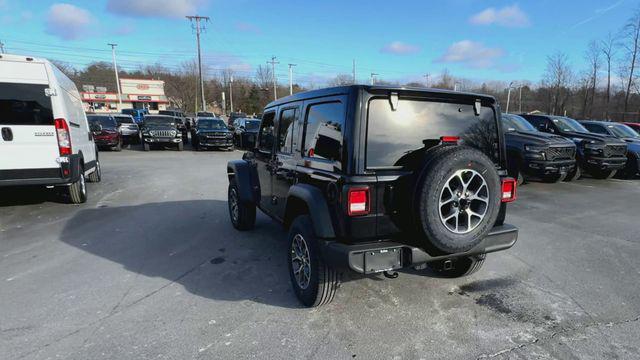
(387, 255)
(67, 173)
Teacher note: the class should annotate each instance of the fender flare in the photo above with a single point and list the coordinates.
(245, 177)
(315, 201)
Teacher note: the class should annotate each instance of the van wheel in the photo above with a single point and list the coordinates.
(314, 282)
(456, 268)
(96, 175)
(147, 147)
(243, 216)
(78, 190)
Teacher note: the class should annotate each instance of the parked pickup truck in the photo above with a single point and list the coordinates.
(531, 153)
(371, 179)
(599, 155)
(624, 133)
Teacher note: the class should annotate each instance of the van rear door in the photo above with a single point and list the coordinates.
(27, 125)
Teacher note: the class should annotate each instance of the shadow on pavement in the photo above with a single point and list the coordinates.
(191, 243)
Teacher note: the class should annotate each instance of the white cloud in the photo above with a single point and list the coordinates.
(68, 22)
(472, 54)
(154, 8)
(509, 16)
(400, 48)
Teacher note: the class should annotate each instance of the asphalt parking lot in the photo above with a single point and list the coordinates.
(150, 267)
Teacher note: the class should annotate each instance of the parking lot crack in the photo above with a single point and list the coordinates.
(560, 332)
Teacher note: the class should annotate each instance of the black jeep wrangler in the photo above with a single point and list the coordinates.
(374, 179)
(160, 130)
(532, 153)
(598, 155)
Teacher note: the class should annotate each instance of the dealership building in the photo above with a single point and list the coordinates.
(136, 94)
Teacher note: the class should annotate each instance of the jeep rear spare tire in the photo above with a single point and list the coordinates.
(458, 199)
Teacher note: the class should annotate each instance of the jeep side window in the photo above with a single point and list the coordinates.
(323, 131)
(267, 133)
(285, 130)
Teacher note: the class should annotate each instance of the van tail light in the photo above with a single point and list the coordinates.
(358, 201)
(64, 138)
(509, 187)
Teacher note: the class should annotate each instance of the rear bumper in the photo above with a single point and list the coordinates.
(67, 173)
(382, 256)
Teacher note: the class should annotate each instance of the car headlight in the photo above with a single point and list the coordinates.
(536, 152)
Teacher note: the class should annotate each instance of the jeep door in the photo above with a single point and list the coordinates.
(264, 158)
(284, 174)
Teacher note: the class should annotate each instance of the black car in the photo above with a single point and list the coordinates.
(624, 133)
(372, 179)
(531, 153)
(160, 130)
(178, 114)
(211, 133)
(599, 155)
(105, 131)
(245, 132)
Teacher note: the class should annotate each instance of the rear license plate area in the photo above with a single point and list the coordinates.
(376, 261)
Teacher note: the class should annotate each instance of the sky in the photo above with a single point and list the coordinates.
(399, 40)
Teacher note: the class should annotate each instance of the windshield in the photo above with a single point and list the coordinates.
(252, 125)
(104, 121)
(623, 131)
(566, 124)
(516, 123)
(393, 136)
(124, 119)
(207, 124)
(159, 120)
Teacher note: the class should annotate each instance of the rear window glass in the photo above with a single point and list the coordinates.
(104, 121)
(24, 104)
(124, 120)
(392, 136)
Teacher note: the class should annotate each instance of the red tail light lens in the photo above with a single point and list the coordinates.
(358, 201)
(509, 187)
(450, 139)
(64, 138)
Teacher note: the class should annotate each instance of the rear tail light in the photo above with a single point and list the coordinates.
(450, 139)
(509, 187)
(358, 201)
(64, 138)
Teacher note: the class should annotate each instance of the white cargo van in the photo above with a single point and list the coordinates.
(46, 138)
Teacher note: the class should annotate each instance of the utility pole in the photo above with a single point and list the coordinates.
(291, 78)
(520, 99)
(231, 94)
(354, 71)
(198, 27)
(273, 63)
(1, 47)
(427, 76)
(115, 69)
(509, 96)
(373, 78)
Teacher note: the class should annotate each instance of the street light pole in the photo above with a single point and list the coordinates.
(509, 96)
(291, 78)
(273, 63)
(373, 78)
(198, 28)
(115, 69)
(520, 99)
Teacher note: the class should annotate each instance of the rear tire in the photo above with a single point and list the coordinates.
(78, 190)
(243, 215)
(96, 175)
(314, 282)
(464, 266)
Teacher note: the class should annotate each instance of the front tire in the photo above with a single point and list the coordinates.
(180, 146)
(314, 282)
(554, 178)
(118, 147)
(461, 267)
(78, 190)
(243, 215)
(575, 174)
(603, 174)
(146, 147)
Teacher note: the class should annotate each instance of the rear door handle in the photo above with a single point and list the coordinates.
(7, 134)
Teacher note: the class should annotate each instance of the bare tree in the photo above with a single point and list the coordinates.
(264, 77)
(593, 57)
(631, 44)
(607, 46)
(558, 75)
(341, 79)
